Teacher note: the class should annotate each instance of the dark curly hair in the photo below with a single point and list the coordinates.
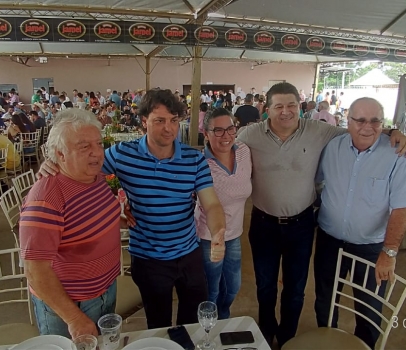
(281, 89)
(156, 97)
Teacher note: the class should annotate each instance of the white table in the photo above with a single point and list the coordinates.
(196, 332)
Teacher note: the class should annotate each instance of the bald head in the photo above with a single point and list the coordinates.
(324, 106)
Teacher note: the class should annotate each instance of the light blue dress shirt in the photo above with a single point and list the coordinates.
(360, 189)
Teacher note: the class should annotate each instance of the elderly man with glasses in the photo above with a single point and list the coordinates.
(363, 211)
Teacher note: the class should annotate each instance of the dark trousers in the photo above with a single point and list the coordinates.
(325, 260)
(156, 280)
(271, 241)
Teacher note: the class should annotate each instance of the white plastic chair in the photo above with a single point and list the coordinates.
(17, 168)
(333, 338)
(31, 142)
(14, 290)
(23, 184)
(10, 203)
(44, 151)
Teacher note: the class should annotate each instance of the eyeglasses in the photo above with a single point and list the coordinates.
(375, 123)
(219, 132)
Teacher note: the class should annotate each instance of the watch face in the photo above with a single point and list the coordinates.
(390, 252)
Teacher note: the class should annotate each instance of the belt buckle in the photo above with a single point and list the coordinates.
(281, 220)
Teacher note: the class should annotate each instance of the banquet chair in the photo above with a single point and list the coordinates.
(17, 167)
(31, 142)
(14, 290)
(333, 338)
(44, 151)
(10, 203)
(3, 171)
(23, 183)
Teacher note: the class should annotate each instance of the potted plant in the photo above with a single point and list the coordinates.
(113, 183)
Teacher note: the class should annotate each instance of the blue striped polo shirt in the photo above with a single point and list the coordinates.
(160, 195)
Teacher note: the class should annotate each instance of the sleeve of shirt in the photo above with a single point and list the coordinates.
(41, 227)
(203, 175)
(397, 185)
(319, 174)
(327, 132)
(110, 156)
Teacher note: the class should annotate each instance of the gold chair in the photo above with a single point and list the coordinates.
(23, 183)
(10, 203)
(14, 291)
(333, 338)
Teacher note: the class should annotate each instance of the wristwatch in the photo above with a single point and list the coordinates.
(390, 252)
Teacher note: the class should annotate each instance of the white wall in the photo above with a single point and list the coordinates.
(123, 74)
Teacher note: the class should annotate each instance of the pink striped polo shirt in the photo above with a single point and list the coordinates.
(233, 189)
(77, 227)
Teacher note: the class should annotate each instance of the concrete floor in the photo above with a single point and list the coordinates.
(245, 303)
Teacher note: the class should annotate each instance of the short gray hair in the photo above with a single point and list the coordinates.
(66, 124)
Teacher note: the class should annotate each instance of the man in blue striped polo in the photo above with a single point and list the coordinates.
(159, 175)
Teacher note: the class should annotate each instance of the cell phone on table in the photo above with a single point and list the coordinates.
(180, 335)
(234, 338)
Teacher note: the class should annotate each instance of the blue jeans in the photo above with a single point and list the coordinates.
(224, 277)
(270, 242)
(325, 260)
(50, 323)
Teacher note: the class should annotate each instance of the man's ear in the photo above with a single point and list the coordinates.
(60, 155)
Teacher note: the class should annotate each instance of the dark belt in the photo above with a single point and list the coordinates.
(285, 220)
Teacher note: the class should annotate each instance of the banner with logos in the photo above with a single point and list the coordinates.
(88, 31)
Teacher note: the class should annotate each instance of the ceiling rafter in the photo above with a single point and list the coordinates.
(156, 51)
(189, 6)
(393, 22)
(95, 9)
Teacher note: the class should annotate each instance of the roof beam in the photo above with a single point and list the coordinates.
(212, 6)
(95, 9)
(41, 47)
(393, 22)
(156, 51)
(189, 6)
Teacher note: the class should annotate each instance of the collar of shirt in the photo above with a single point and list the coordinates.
(209, 155)
(143, 147)
(268, 128)
(369, 150)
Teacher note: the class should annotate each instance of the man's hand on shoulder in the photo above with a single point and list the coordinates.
(47, 168)
(399, 140)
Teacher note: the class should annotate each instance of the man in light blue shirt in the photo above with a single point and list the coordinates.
(363, 211)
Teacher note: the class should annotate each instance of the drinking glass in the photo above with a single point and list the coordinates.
(207, 315)
(110, 329)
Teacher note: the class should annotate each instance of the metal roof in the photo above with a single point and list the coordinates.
(375, 20)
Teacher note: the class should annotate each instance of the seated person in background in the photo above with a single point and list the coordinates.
(103, 117)
(13, 158)
(16, 128)
(310, 110)
(72, 259)
(324, 113)
(37, 120)
(127, 119)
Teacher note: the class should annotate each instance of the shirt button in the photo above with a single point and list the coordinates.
(345, 220)
(355, 174)
(357, 159)
(351, 189)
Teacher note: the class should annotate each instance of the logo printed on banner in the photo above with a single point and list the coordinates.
(141, 31)
(5, 28)
(264, 39)
(361, 49)
(236, 37)
(71, 29)
(174, 33)
(290, 41)
(400, 54)
(315, 44)
(107, 30)
(382, 51)
(206, 34)
(34, 28)
(339, 46)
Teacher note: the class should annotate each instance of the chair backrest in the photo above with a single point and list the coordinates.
(10, 203)
(44, 150)
(31, 139)
(23, 183)
(3, 156)
(389, 302)
(14, 283)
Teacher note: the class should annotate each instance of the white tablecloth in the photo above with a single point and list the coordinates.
(196, 332)
(130, 136)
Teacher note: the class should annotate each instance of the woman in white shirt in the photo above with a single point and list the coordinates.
(230, 165)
